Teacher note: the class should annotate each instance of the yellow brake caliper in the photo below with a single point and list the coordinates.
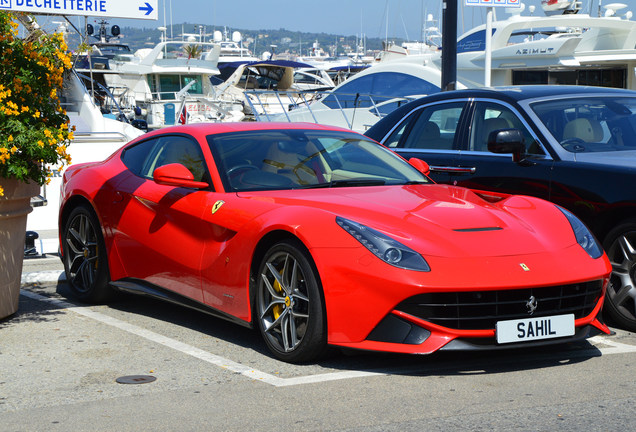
(277, 309)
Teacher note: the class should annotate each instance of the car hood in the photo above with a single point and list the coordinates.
(441, 219)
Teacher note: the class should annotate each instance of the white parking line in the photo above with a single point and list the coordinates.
(194, 351)
(615, 348)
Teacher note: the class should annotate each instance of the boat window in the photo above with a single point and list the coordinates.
(375, 88)
(169, 85)
(489, 117)
(616, 77)
(590, 124)
(434, 127)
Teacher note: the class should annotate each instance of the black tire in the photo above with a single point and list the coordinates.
(620, 301)
(290, 305)
(85, 259)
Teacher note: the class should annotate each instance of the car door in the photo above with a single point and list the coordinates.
(160, 234)
(482, 169)
(431, 133)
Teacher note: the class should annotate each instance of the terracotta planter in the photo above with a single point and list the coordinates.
(15, 205)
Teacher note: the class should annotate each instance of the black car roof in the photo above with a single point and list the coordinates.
(530, 91)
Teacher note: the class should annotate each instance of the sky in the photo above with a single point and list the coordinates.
(373, 18)
(402, 18)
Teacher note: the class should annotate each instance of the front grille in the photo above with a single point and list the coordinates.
(480, 310)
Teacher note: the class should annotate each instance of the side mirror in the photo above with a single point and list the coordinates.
(420, 165)
(507, 141)
(176, 175)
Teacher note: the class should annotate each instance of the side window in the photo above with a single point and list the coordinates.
(489, 117)
(396, 136)
(434, 128)
(147, 156)
(135, 157)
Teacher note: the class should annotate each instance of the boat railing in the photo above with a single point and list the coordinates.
(86, 137)
(274, 105)
(105, 99)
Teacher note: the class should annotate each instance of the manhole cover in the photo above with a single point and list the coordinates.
(136, 379)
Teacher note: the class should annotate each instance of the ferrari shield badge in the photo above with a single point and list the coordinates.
(217, 205)
(523, 266)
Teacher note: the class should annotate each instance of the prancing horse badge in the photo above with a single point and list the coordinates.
(217, 205)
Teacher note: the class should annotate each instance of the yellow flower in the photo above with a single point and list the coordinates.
(1, 191)
(14, 149)
(10, 139)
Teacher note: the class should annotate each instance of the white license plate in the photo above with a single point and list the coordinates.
(528, 329)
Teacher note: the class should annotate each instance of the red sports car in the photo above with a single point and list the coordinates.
(320, 236)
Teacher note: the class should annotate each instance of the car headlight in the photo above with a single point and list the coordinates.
(583, 235)
(384, 247)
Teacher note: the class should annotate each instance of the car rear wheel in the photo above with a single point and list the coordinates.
(290, 305)
(620, 245)
(85, 261)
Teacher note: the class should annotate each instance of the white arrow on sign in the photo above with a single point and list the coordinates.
(136, 9)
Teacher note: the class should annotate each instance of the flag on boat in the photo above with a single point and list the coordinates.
(183, 117)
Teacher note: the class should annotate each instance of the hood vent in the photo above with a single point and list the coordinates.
(477, 229)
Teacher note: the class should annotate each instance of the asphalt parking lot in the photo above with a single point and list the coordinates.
(60, 361)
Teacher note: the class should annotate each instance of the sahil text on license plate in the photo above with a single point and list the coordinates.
(528, 329)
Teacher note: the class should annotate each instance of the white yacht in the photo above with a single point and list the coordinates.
(232, 50)
(363, 99)
(269, 86)
(571, 47)
(563, 46)
(165, 85)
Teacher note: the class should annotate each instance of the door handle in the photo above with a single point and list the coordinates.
(453, 170)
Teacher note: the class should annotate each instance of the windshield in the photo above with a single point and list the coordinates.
(591, 124)
(294, 159)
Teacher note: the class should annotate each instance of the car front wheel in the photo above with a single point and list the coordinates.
(85, 262)
(620, 302)
(290, 305)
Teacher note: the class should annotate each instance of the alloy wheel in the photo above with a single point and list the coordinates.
(82, 253)
(283, 302)
(622, 288)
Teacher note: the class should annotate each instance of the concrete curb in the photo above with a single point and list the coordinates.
(43, 276)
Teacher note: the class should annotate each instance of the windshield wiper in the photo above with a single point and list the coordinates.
(346, 183)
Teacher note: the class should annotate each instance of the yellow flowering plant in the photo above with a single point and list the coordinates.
(34, 127)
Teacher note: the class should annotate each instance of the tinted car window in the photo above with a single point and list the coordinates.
(145, 157)
(134, 157)
(382, 87)
(598, 124)
(433, 127)
(489, 117)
